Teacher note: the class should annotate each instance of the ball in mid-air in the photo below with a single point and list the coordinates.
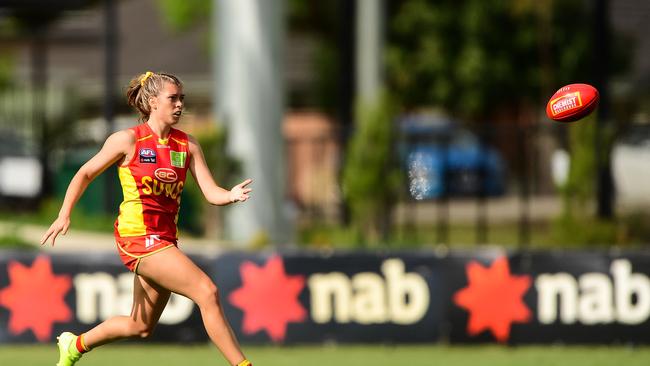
(572, 102)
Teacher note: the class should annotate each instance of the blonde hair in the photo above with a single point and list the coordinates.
(146, 86)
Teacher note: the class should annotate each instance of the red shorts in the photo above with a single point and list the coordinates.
(134, 248)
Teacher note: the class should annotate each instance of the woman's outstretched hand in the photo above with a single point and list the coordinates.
(59, 226)
(240, 192)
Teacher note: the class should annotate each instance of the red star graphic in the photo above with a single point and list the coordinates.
(269, 298)
(494, 298)
(35, 297)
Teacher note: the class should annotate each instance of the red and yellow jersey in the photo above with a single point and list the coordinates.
(152, 183)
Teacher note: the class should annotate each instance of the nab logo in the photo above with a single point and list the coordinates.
(100, 296)
(398, 297)
(147, 156)
(166, 175)
(595, 298)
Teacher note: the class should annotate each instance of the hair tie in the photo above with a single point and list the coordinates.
(145, 77)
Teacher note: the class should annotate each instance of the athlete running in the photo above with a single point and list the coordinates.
(153, 159)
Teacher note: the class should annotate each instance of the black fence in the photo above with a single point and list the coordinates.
(479, 168)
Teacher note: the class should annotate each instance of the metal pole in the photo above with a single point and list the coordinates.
(524, 201)
(250, 102)
(481, 193)
(347, 85)
(442, 229)
(110, 73)
(369, 47)
(605, 185)
(39, 84)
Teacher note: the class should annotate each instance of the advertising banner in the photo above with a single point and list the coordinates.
(340, 297)
(44, 295)
(549, 297)
(393, 297)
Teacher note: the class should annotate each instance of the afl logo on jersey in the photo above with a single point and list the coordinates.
(166, 175)
(148, 156)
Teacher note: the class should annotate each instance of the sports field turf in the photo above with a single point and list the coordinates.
(161, 355)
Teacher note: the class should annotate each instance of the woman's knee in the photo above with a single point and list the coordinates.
(208, 293)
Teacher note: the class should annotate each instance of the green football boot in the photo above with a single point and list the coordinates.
(68, 353)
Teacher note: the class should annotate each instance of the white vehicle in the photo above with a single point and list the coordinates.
(631, 167)
(21, 173)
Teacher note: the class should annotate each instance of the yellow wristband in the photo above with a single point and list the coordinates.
(245, 363)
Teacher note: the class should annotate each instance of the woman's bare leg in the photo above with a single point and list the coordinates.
(189, 280)
(149, 300)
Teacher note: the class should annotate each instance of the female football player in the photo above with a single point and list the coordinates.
(152, 159)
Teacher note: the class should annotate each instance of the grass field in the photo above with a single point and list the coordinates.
(161, 355)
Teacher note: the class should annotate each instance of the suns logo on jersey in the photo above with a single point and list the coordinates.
(156, 187)
(166, 175)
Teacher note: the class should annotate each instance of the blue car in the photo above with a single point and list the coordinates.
(440, 157)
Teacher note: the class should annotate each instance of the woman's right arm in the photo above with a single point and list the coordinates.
(116, 147)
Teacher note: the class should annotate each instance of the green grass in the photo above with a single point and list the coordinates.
(13, 241)
(161, 355)
(48, 212)
(504, 234)
(630, 230)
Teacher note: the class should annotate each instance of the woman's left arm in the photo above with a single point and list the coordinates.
(211, 191)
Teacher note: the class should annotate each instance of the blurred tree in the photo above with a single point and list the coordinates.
(182, 15)
(476, 57)
(6, 69)
(485, 59)
(370, 178)
(322, 25)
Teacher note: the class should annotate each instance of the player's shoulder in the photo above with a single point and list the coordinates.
(191, 139)
(193, 143)
(125, 136)
(180, 134)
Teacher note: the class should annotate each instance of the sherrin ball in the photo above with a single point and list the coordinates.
(572, 102)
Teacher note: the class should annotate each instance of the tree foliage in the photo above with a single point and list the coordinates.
(6, 69)
(473, 57)
(181, 15)
(480, 58)
(370, 179)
